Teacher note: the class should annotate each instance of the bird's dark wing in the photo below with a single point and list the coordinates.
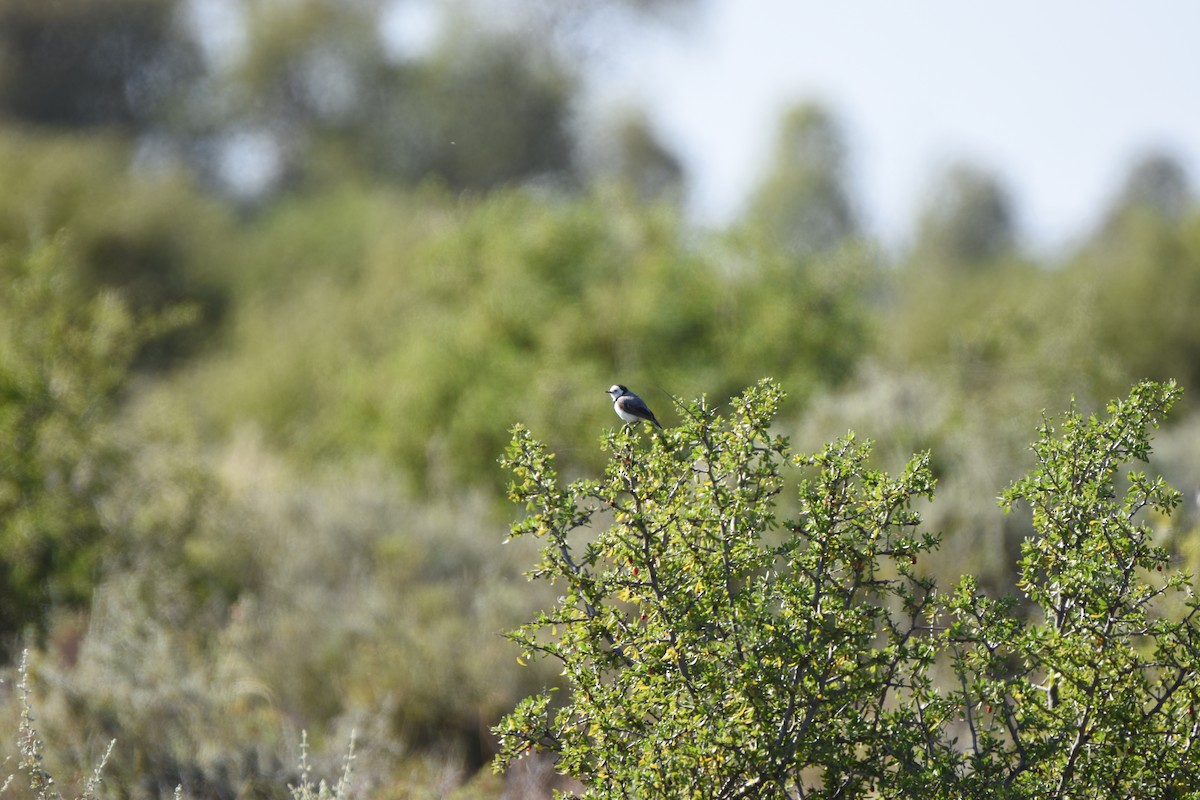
(632, 404)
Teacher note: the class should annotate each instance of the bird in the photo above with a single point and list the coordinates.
(630, 407)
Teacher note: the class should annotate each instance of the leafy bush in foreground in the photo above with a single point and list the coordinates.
(714, 649)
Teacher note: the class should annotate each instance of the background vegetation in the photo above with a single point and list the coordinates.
(271, 306)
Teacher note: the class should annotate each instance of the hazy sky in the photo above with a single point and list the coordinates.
(1056, 97)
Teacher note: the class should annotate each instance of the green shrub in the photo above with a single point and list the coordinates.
(415, 327)
(148, 234)
(65, 354)
(250, 602)
(1092, 693)
(715, 649)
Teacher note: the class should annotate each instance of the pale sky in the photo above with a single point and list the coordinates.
(1055, 96)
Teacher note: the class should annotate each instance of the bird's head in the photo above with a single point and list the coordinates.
(616, 390)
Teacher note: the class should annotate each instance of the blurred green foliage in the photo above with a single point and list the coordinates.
(148, 234)
(803, 202)
(413, 327)
(63, 356)
(249, 431)
(93, 63)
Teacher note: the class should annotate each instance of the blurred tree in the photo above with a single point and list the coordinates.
(312, 93)
(64, 354)
(297, 97)
(439, 306)
(319, 94)
(483, 111)
(954, 311)
(152, 236)
(1144, 262)
(622, 146)
(82, 63)
(803, 202)
(1156, 183)
(967, 222)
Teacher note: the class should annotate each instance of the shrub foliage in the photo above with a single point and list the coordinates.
(715, 648)
(64, 355)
